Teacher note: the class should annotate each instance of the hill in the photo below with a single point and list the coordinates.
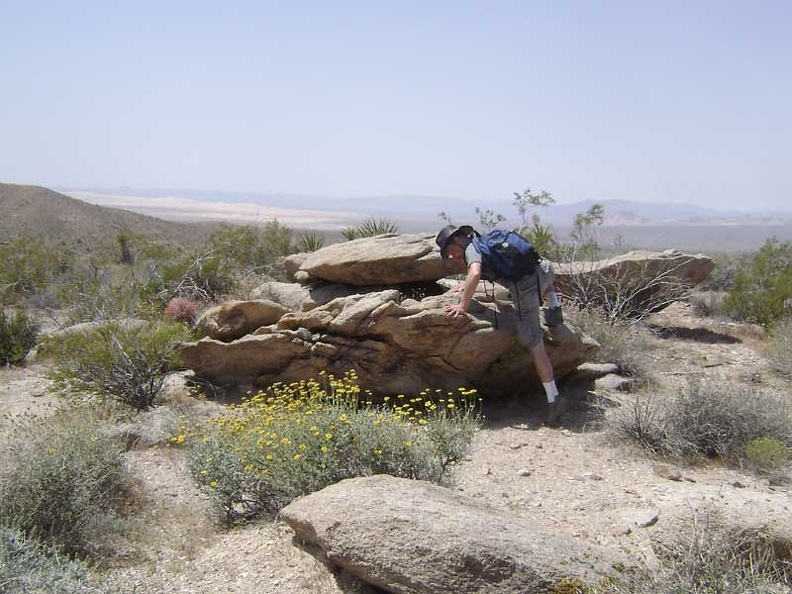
(61, 221)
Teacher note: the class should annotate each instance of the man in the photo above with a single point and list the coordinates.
(457, 243)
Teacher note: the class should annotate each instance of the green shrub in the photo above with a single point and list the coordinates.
(62, 481)
(127, 362)
(18, 335)
(762, 286)
(27, 267)
(28, 566)
(371, 227)
(297, 439)
(766, 453)
(310, 241)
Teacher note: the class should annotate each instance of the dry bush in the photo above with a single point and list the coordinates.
(623, 344)
(709, 420)
(27, 565)
(63, 480)
(709, 559)
(630, 292)
(779, 348)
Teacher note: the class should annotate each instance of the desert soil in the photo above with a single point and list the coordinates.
(571, 477)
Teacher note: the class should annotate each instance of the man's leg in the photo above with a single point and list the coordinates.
(544, 369)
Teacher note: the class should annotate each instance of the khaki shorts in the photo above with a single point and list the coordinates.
(525, 296)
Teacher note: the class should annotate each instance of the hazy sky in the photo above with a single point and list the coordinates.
(685, 101)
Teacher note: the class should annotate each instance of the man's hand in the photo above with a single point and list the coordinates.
(453, 310)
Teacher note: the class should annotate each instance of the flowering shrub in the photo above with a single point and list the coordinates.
(181, 309)
(295, 439)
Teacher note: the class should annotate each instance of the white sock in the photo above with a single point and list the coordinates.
(553, 300)
(551, 390)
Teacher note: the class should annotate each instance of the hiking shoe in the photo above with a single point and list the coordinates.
(553, 414)
(553, 316)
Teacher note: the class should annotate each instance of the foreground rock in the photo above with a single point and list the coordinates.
(394, 346)
(413, 537)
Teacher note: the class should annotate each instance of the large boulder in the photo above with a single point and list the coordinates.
(235, 319)
(383, 260)
(395, 346)
(414, 537)
(640, 280)
(689, 269)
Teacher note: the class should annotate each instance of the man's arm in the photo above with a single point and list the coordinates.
(471, 283)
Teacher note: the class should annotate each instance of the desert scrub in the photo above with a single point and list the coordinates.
(709, 560)
(127, 362)
(295, 439)
(779, 348)
(371, 227)
(624, 344)
(709, 420)
(62, 480)
(27, 565)
(18, 333)
(767, 455)
(762, 286)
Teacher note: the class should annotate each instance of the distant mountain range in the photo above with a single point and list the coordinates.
(83, 219)
(420, 211)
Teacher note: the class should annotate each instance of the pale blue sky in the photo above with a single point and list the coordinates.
(680, 101)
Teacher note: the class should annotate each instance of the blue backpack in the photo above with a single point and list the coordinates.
(505, 255)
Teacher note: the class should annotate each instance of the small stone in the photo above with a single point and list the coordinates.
(667, 471)
(622, 530)
(525, 472)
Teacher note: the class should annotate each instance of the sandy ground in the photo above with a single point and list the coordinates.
(571, 478)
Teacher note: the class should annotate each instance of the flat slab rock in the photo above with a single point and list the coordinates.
(415, 537)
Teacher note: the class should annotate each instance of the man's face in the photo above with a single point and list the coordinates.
(454, 250)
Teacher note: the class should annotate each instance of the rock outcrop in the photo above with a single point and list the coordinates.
(375, 305)
(637, 282)
(396, 347)
(413, 537)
